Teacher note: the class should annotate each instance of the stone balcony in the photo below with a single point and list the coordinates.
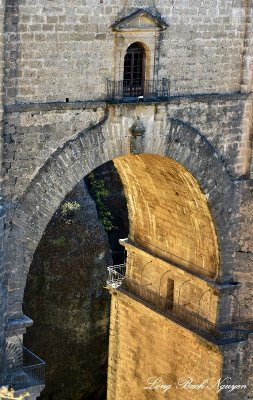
(219, 334)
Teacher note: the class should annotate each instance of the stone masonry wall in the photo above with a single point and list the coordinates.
(94, 146)
(139, 351)
(32, 134)
(238, 369)
(66, 49)
(193, 293)
(3, 285)
(32, 137)
(143, 344)
(244, 251)
(168, 213)
(247, 71)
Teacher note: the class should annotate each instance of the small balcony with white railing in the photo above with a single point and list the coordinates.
(116, 275)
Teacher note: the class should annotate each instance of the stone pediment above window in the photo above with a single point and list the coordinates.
(138, 21)
(136, 68)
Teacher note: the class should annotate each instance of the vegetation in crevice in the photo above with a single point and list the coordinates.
(60, 241)
(68, 209)
(99, 194)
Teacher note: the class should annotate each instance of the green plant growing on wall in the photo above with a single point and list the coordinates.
(60, 241)
(68, 209)
(99, 193)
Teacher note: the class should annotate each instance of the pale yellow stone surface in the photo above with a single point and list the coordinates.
(144, 344)
(168, 212)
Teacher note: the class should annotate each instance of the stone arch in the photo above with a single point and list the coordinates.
(91, 148)
(168, 213)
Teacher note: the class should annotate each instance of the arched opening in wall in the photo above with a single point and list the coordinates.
(169, 215)
(171, 240)
(134, 70)
(65, 293)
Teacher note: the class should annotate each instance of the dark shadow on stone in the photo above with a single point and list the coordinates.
(65, 296)
(115, 204)
(99, 394)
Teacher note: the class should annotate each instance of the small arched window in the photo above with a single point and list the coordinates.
(134, 71)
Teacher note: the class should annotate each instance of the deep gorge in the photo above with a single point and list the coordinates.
(65, 294)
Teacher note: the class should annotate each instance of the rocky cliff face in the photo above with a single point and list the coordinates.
(106, 187)
(64, 293)
(66, 299)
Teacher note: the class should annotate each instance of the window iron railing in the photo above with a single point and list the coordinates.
(176, 312)
(149, 90)
(28, 371)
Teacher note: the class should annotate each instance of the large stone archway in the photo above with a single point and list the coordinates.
(94, 146)
(55, 92)
(169, 214)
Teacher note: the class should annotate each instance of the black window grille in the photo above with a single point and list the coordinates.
(134, 71)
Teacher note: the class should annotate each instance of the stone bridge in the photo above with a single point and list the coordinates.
(185, 162)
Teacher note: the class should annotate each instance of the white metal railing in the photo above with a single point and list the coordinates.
(116, 275)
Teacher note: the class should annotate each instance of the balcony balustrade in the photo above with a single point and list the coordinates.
(149, 90)
(178, 313)
(23, 369)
